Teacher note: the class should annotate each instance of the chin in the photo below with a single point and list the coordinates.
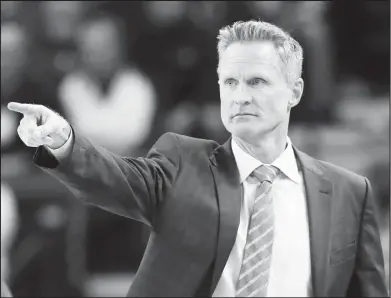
(243, 132)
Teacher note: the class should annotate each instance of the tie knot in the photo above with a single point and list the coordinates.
(266, 173)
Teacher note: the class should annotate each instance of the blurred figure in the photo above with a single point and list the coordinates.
(54, 48)
(9, 228)
(111, 102)
(165, 27)
(17, 83)
(199, 121)
(61, 18)
(365, 27)
(208, 15)
(9, 10)
(266, 10)
(181, 70)
(13, 62)
(165, 13)
(307, 22)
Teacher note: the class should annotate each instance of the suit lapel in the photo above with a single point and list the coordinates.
(227, 181)
(319, 197)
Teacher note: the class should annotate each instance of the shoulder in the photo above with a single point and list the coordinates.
(341, 178)
(72, 79)
(339, 172)
(134, 73)
(345, 180)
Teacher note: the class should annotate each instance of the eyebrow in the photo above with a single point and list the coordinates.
(250, 77)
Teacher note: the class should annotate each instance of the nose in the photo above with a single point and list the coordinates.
(242, 97)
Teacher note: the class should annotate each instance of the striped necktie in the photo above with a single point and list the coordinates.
(254, 272)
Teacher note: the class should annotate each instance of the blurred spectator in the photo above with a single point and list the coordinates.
(199, 121)
(60, 18)
(165, 49)
(17, 84)
(54, 44)
(360, 108)
(177, 54)
(109, 101)
(9, 10)
(165, 13)
(266, 10)
(9, 228)
(306, 22)
(208, 15)
(361, 30)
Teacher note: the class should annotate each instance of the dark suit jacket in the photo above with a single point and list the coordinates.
(188, 191)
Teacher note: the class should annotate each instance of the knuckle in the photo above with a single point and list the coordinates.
(20, 130)
(31, 145)
(32, 142)
(26, 141)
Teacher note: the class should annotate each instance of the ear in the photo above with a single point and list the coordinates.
(297, 92)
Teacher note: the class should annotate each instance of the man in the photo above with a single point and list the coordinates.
(104, 93)
(253, 217)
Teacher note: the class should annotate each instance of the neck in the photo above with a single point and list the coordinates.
(266, 149)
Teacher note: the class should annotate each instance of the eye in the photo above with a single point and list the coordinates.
(256, 81)
(230, 82)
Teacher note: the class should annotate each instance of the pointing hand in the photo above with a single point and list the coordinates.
(41, 126)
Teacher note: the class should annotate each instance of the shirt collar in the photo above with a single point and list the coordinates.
(286, 162)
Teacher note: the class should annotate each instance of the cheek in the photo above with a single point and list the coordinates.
(278, 103)
(224, 109)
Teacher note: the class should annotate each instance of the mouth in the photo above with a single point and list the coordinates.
(243, 115)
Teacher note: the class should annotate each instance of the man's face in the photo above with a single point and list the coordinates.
(99, 45)
(254, 93)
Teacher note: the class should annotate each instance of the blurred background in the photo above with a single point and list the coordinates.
(150, 66)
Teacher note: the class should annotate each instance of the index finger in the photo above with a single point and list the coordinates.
(24, 108)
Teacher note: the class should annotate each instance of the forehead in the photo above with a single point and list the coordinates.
(249, 57)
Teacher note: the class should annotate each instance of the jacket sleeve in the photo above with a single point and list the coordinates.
(368, 279)
(130, 187)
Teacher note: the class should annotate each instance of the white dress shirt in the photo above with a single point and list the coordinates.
(290, 272)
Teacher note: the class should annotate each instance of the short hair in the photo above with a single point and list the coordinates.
(288, 49)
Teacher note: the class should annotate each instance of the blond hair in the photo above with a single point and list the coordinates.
(288, 49)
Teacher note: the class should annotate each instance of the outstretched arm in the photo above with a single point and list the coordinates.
(131, 187)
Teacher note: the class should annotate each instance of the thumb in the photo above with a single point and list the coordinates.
(45, 130)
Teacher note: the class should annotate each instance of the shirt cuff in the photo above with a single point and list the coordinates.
(64, 151)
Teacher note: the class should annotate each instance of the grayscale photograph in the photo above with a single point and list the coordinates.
(195, 148)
